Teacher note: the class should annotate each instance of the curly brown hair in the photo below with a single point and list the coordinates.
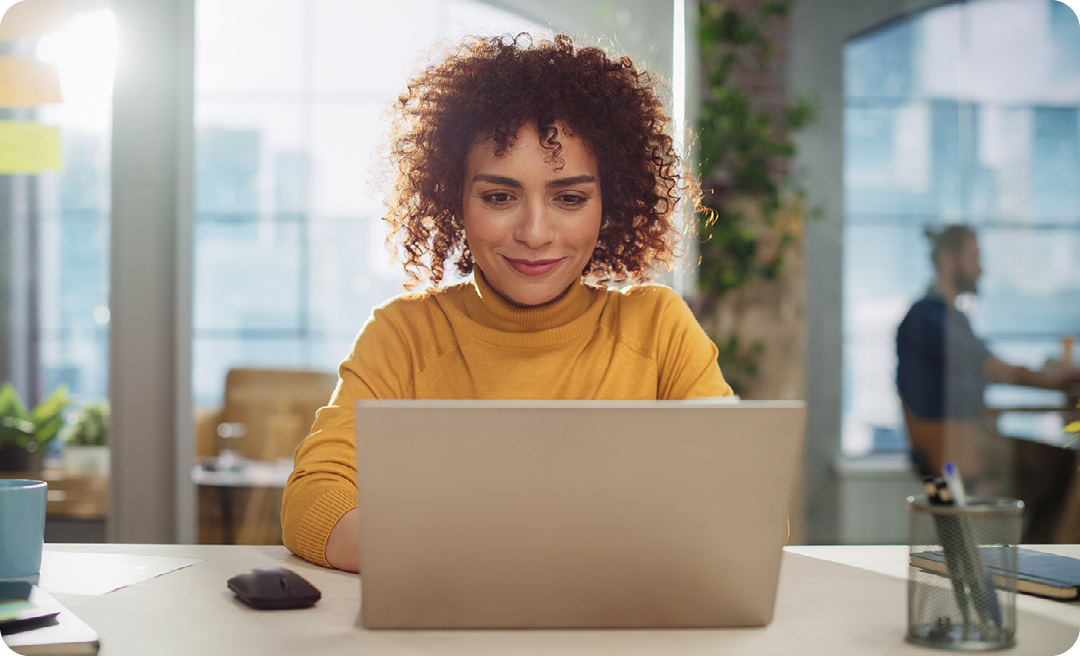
(489, 88)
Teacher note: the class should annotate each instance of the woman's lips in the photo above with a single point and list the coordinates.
(532, 267)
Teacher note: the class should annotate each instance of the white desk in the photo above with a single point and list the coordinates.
(832, 600)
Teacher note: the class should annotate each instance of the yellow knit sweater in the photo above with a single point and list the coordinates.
(466, 342)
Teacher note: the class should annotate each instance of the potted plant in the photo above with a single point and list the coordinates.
(25, 434)
(86, 448)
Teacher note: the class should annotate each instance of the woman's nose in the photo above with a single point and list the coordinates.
(536, 227)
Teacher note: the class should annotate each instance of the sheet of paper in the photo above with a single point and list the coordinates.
(31, 18)
(28, 82)
(27, 147)
(64, 572)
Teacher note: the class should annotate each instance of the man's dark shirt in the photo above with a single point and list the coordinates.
(940, 361)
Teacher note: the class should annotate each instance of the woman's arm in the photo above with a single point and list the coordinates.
(321, 491)
(343, 545)
(322, 486)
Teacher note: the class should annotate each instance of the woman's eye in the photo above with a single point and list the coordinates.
(497, 198)
(572, 199)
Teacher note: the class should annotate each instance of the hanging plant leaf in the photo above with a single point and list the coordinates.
(745, 150)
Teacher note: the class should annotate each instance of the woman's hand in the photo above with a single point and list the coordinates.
(343, 545)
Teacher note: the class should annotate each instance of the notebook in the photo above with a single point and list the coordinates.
(574, 513)
(45, 628)
(1037, 572)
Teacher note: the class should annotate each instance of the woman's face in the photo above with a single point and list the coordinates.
(531, 227)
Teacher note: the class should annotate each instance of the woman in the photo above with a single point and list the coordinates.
(537, 165)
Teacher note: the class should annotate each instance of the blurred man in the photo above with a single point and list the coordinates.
(943, 370)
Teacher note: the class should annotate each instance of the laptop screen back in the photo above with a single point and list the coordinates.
(573, 514)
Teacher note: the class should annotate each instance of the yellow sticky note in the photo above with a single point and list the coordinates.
(27, 147)
(28, 82)
(32, 18)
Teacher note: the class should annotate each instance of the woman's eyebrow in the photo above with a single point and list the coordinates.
(497, 179)
(572, 180)
(511, 182)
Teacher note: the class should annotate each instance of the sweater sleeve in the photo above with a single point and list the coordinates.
(687, 366)
(322, 486)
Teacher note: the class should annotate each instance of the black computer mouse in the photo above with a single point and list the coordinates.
(274, 588)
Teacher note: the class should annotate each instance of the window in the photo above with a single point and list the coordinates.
(66, 224)
(967, 113)
(290, 254)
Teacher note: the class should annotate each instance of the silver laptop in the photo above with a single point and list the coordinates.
(492, 514)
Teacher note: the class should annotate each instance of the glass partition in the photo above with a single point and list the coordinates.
(968, 113)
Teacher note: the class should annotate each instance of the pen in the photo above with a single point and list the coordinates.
(943, 494)
(931, 490)
(982, 590)
(938, 495)
(955, 484)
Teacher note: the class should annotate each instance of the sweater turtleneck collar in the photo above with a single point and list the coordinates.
(486, 307)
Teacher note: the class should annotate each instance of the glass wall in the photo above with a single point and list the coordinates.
(967, 113)
(71, 333)
(290, 113)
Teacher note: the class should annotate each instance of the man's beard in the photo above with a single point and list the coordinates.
(966, 284)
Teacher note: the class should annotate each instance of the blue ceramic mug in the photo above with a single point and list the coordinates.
(22, 529)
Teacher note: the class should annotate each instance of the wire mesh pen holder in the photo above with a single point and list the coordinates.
(962, 575)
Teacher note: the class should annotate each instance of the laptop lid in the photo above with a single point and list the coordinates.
(494, 514)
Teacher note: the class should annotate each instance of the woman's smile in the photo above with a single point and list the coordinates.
(532, 267)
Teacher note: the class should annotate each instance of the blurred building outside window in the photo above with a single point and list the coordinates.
(71, 213)
(291, 116)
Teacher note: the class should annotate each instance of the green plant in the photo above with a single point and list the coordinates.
(752, 207)
(30, 429)
(738, 363)
(91, 427)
